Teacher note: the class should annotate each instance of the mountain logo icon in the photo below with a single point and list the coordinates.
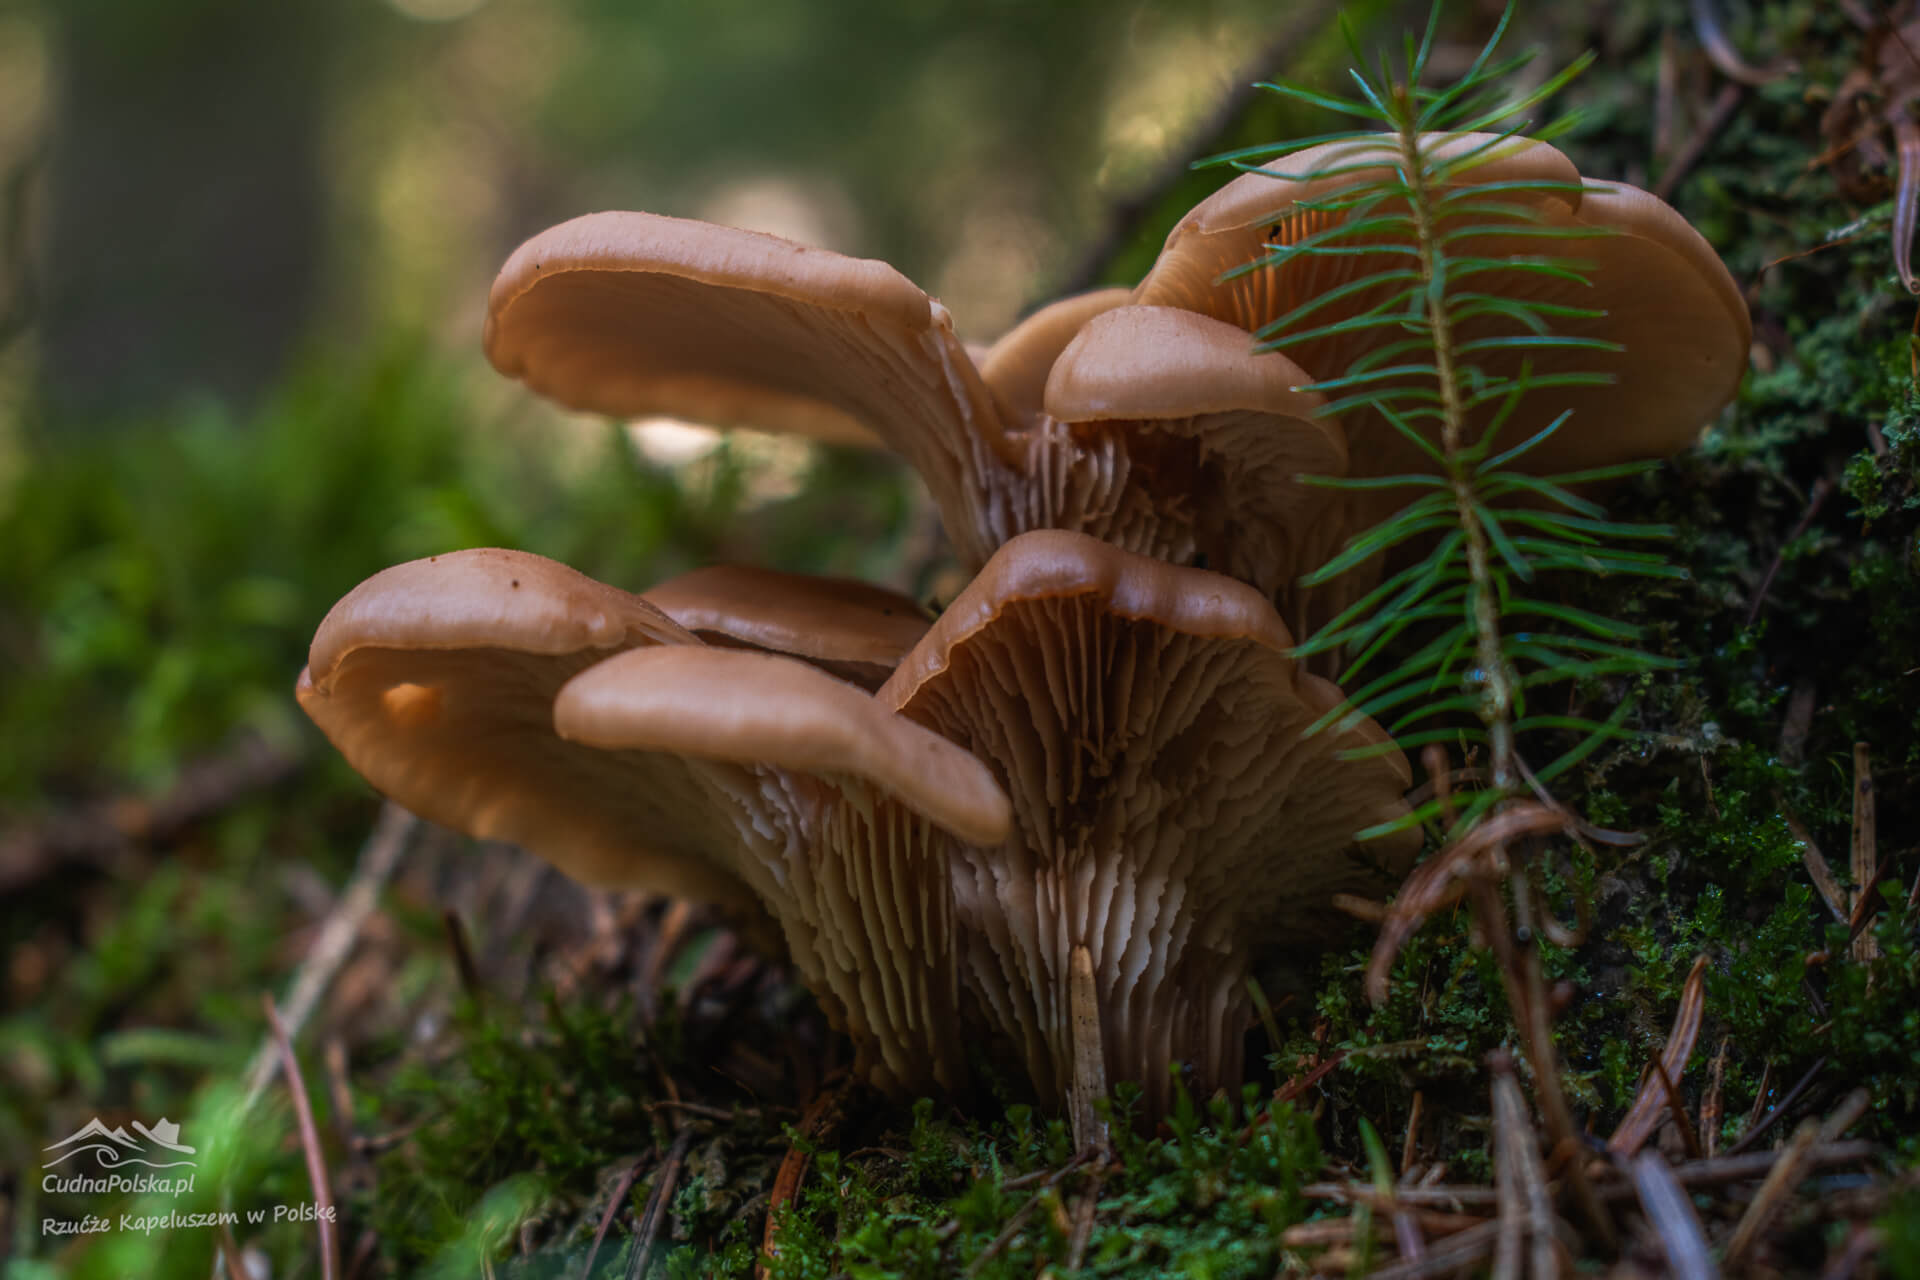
(114, 1147)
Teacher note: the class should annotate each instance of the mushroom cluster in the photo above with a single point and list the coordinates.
(1142, 416)
(1072, 815)
(1068, 815)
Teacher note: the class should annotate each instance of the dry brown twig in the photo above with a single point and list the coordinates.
(822, 1118)
(614, 1202)
(1865, 854)
(378, 858)
(309, 1144)
(658, 1201)
(1670, 1212)
(103, 834)
(1656, 1094)
(1769, 1199)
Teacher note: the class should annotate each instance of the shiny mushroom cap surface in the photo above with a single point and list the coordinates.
(635, 313)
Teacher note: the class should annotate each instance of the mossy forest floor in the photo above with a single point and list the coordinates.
(512, 1076)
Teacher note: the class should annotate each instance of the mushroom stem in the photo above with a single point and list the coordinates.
(1089, 1054)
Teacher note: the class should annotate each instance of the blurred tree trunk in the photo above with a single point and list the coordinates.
(185, 207)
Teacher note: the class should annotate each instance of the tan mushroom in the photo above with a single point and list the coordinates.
(748, 779)
(1214, 437)
(1084, 791)
(1169, 816)
(631, 313)
(1018, 364)
(1669, 304)
(851, 629)
(635, 313)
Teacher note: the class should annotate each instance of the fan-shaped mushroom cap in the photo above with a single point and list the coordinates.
(436, 681)
(635, 313)
(758, 709)
(852, 629)
(1016, 366)
(1168, 815)
(507, 696)
(1669, 301)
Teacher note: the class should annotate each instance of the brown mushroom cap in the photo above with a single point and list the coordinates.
(852, 629)
(436, 681)
(1017, 365)
(635, 313)
(1668, 299)
(1216, 437)
(1168, 815)
(762, 709)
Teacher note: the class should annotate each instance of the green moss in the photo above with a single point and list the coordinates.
(1209, 1199)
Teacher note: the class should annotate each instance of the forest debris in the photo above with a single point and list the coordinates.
(658, 1202)
(822, 1118)
(309, 1144)
(1446, 1257)
(1862, 1243)
(1720, 50)
(1526, 1212)
(1435, 885)
(1796, 724)
(1725, 103)
(1816, 497)
(1818, 869)
(1864, 862)
(378, 857)
(1711, 1107)
(1670, 1213)
(1780, 1181)
(1721, 1170)
(1025, 1211)
(1752, 1135)
(1656, 1094)
(101, 834)
(618, 1198)
(463, 958)
(1083, 1214)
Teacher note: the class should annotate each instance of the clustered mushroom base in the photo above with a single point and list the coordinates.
(1091, 755)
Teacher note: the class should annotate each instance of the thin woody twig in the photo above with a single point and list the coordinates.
(1767, 1201)
(380, 855)
(658, 1201)
(1865, 851)
(1752, 1135)
(309, 1143)
(618, 1198)
(1818, 869)
(1670, 1211)
(1815, 498)
(1654, 1096)
(102, 834)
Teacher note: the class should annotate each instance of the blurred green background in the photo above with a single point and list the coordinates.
(245, 248)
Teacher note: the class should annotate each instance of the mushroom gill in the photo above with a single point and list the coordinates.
(1170, 815)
